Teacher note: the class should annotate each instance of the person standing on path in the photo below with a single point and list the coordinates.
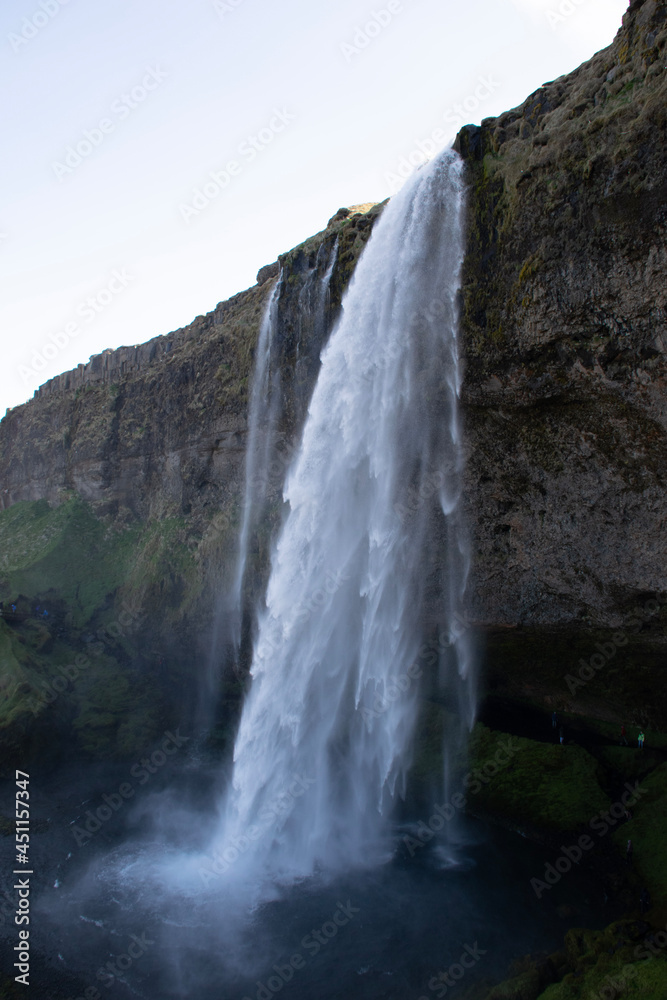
(640, 740)
(554, 720)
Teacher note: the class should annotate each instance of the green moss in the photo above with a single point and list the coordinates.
(596, 965)
(65, 550)
(26, 532)
(19, 677)
(66, 559)
(626, 762)
(68, 555)
(523, 987)
(529, 268)
(545, 786)
(116, 715)
(648, 832)
(644, 980)
(611, 731)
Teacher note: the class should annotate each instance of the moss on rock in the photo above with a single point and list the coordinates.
(544, 787)
(648, 832)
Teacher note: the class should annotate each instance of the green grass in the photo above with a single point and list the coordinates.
(544, 785)
(66, 554)
(648, 832)
(627, 762)
(612, 732)
(643, 980)
(68, 560)
(612, 964)
(16, 676)
(116, 715)
(65, 551)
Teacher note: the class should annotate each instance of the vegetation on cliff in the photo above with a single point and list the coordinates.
(122, 488)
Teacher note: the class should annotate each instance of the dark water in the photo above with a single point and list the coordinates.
(380, 933)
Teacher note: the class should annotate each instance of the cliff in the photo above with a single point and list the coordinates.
(121, 482)
(121, 486)
(564, 305)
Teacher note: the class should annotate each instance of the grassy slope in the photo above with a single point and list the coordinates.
(550, 788)
(85, 573)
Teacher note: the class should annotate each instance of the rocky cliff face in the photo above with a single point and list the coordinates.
(121, 485)
(565, 336)
(143, 432)
(564, 333)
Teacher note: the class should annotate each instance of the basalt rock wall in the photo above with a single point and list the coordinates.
(564, 309)
(564, 400)
(121, 490)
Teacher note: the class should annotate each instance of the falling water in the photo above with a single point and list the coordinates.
(267, 458)
(324, 743)
(263, 412)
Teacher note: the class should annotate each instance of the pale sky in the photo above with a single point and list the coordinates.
(118, 111)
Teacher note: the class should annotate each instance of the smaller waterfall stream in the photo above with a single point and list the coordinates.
(267, 457)
(263, 413)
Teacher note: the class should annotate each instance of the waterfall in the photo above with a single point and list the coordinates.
(325, 738)
(267, 457)
(263, 413)
(266, 461)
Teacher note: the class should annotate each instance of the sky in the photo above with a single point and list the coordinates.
(159, 152)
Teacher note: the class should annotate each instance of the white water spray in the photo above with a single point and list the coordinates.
(263, 412)
(325, 737)
(266, 464)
